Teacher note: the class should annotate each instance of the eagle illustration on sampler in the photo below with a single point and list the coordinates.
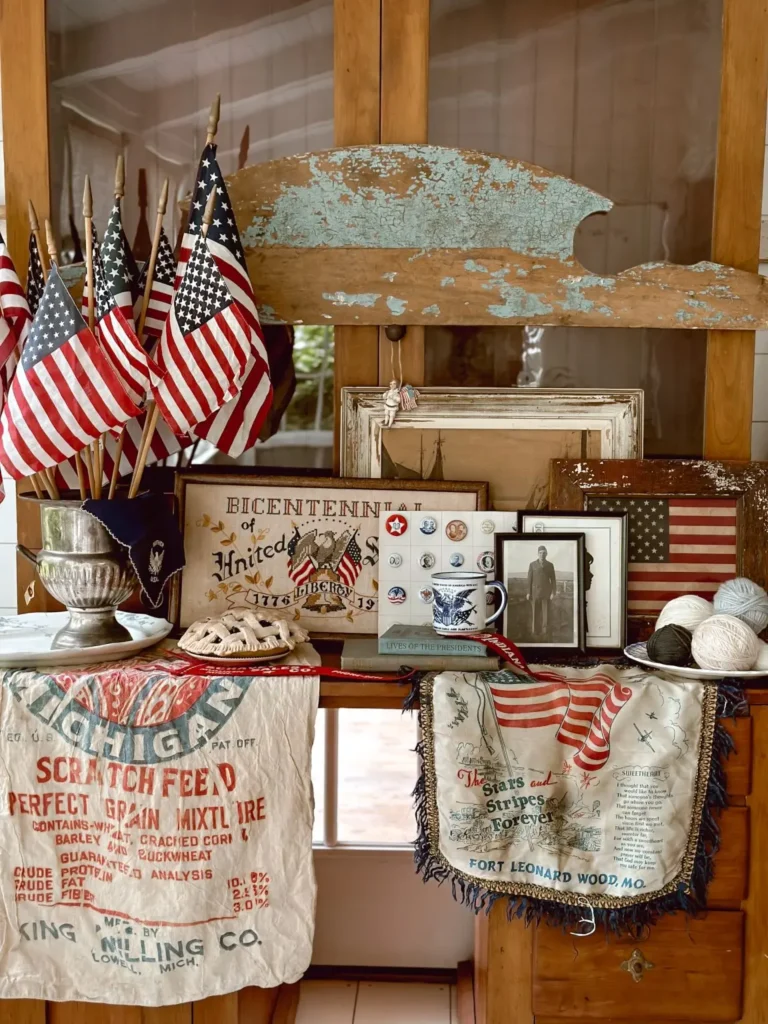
(324, 557)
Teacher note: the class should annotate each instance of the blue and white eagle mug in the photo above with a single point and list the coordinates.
(459, 604)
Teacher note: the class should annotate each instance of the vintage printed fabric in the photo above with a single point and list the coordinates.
(155, 833)
(577, 786)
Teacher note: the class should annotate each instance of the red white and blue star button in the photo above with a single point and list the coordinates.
(396, 525)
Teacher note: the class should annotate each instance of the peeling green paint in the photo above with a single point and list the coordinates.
(448, 282)
(683, 316)
(390, 275)
(474, 268)
(345, 299)
(396, 306)
(425, 197)
(431, 311)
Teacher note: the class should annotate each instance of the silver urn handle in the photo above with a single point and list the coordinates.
(26, 553)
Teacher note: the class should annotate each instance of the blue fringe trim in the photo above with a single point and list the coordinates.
(633, 920)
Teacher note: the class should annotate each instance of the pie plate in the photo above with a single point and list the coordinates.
(246, 659)
(25, 640)
(639, 653)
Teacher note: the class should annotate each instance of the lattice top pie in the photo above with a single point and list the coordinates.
(241, 632)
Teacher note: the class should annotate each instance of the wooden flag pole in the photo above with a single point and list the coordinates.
(34, 227)
(151, 424)
(213, 119)
(46, 477)
(91, 453)
(161, 208)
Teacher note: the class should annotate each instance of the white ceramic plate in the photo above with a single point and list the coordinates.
(639, 653)
(256, 659)
(25, 640)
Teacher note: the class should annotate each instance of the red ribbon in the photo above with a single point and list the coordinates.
(189, 666)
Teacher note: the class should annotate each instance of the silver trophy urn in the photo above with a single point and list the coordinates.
(86, 570)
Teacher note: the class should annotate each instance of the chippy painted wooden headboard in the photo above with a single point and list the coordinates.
(425, 234)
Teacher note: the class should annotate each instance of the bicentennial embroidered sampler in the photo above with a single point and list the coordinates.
(566, 788)
(155, 832)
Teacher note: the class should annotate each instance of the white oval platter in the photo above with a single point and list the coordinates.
(25, 640)
(639, 653)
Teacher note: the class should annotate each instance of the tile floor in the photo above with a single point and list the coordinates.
(376, 1002)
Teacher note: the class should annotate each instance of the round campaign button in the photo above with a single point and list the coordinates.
(487, 526)
(456, 559)
(456, 530)
(428, 525)
(395, 560)
(396, 595)
(427, 560)
(486, 561)
(426, 594)
(396, 525)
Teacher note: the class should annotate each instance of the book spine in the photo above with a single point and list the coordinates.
(430, 647)
(384, 664)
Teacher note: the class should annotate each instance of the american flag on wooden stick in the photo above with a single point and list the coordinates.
(676, 546)
(118, 337)
(35, 275)
(64, 394)
(236, 427)
(84, 299)
(161, 290)
(351, 562)
(582, 711)
(205, 346)
(120, 271)
(15, 309)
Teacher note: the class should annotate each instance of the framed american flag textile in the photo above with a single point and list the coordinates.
(692, 524)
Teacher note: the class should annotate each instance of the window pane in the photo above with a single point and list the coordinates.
(622, 97)
(376, 776)
(318, 776)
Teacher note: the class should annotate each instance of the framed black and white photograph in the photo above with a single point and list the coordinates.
(544, 577)
(605, 569)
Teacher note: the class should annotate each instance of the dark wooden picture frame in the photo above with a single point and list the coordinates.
(546, 513)
(243, 484)
(573, 483)
(547, 650)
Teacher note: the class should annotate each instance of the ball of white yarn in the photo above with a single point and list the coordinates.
(744, 599)
(762, 657)
(687, 610)
(724, 643)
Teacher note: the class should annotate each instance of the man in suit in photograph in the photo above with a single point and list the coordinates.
(542, 586)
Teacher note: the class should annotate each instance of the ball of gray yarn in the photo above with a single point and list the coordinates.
(745, 600)
(670, 645)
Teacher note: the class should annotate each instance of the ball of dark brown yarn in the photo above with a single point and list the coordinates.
(670, 645)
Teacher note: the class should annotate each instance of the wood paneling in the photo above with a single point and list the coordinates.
(180, 1014)
(465, 993)
(287, 1004)
(356, 120)
(93, 1013)
(216, 1010)
(24, 74)
(404, 105)
(503, 968)
(23, 1011)
(756, 948)
(729, 885)
(696, 975)
(256, 1005)
(738, 767)
(736, 227)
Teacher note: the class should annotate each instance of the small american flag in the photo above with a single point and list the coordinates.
(351, 562)
(236, 426)
(161, 291)
(15, 309)
(301, 568)
(35, 276)
(205, 346)
(582, 711)
(676, 546)
(118, 337)
(65, 393)
(120, 271)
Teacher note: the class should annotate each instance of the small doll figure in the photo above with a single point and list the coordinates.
(391, 403)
